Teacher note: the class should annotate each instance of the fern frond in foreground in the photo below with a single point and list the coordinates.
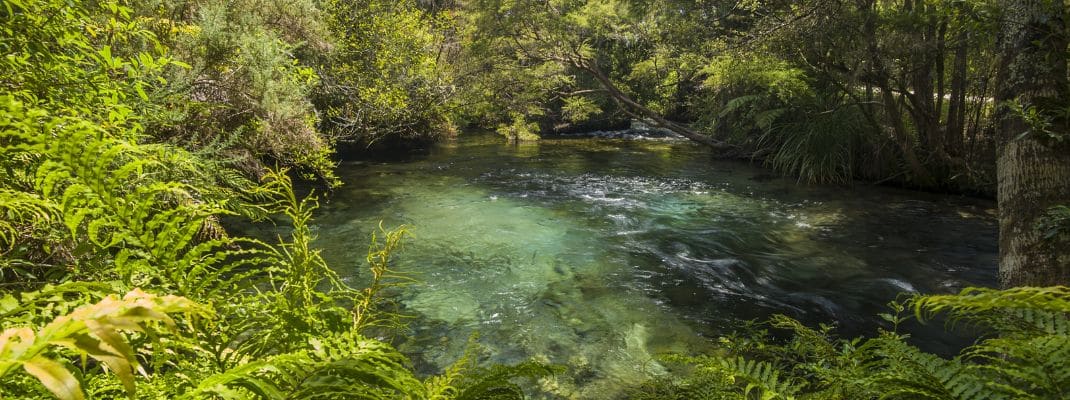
(1024, 354)
(95, 331)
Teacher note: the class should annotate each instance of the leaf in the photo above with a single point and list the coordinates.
(92, 330)
(141, 91)
(55, 378)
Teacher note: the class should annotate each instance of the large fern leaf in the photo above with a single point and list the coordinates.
(93, 330)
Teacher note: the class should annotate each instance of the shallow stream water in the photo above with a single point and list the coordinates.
(603, 254)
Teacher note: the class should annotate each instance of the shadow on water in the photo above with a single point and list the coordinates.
(602, 254)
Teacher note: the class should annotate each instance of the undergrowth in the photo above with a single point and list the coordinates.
(1024, 355)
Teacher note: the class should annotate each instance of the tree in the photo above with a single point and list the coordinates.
(578, 37)
(1034, 161)
(384, 77)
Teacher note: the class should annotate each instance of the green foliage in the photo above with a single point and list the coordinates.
(769, 75)
(243, 81)
(579, 109)
(385, 76)
(94, 207)
(21, 210)
(285, 325)
(1056, 221)
(518, 59)
(1024, 356)
(519, 130)
(61, 55)
(464, 380)
(336, 367)
(815, 141)
(735, 70)
(92, 330)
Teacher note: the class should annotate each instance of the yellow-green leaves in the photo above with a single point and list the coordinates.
(97, 331)
(579, 109)
(757, 73)
(520, 129)
(55, 377)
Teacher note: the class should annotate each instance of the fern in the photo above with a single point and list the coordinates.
(904, 372)
(1021, 313)
(1035, 367)
(1026, 356)
(19, 210)
(464, 380)
(94, 331)
(77, 181)
(341, 367)
(760, 377)
(736, 104)
(369, 311)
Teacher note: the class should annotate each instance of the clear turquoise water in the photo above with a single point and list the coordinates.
(600, 255)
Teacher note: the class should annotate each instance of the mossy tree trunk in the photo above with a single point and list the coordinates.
(1034, 160)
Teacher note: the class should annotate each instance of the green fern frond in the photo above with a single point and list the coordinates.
(495, 383)
(908, 373)
(50, 301)
(738, 103)
(766, 119)
(464, 380)
(94, 331)
(762, 378)
(1038, 367)
(974, 300)
(20, 209)
(1029, 310)
(346, 366)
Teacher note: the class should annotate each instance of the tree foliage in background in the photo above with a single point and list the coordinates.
(243, 93)
(385, 77)
(914, 79)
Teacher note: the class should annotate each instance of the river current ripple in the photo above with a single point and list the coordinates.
(603, 254)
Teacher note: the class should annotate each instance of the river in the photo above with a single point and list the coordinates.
(603, 254)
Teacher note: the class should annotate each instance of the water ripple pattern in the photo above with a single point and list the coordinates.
(603, 254)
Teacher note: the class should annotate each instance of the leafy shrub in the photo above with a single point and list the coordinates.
(244, 91)
(91, 330)
(815, 140)
(519, 130)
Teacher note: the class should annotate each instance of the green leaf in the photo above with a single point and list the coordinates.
(141, 91)
(55, 378)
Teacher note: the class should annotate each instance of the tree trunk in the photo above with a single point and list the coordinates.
(923, 109)
(941, 50)
(918, 173)
(1032, 175)
(956, 112)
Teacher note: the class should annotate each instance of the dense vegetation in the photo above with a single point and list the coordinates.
(130, 129)
(1022, 356)
(825, 90)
